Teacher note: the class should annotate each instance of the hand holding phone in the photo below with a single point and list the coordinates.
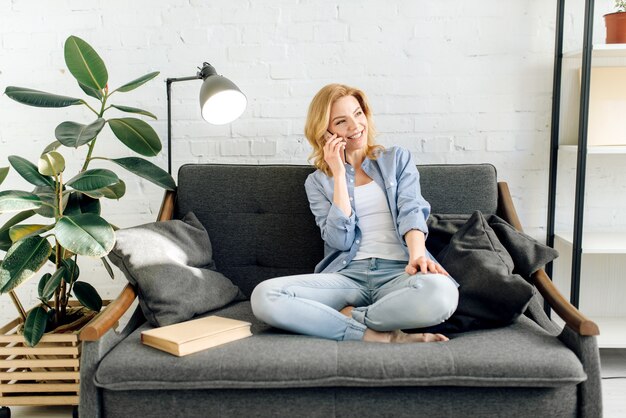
(343, 141)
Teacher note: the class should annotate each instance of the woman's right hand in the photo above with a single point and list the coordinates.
(333, 153)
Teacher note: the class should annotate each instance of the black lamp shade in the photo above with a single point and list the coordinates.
(221, 101)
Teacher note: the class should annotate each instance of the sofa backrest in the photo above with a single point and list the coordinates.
(260, 224)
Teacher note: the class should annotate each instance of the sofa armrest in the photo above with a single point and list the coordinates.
(167, 206)
(573, 317)
(106, 319)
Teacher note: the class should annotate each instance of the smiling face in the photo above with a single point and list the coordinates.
(348, 120)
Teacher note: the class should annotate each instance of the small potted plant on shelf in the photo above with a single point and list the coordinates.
(70, 205)
(616, 24)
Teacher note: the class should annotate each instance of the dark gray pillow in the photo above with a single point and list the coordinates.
(490, 294)
(528, 254)
(170, 263)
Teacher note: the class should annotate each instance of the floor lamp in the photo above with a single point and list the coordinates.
(221, 101)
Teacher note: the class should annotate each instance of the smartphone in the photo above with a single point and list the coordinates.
(344, 148)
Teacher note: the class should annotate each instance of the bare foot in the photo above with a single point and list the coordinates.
(402, 337)
(347, 311)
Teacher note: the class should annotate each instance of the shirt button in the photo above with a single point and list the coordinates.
(352, 181)
(352, 169)
(344, 262)
(358, 241)
(351, 198)
(392, 183)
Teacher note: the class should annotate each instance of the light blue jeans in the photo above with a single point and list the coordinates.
(385, 299)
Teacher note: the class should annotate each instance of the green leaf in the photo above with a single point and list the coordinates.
(22, 261)
(3, 173)
(22, 231)
(35, 326)
(88, 296)
(96, 94)
(53, 146)
(134, 110)
(107, 267)
(71, 270)
(17, 201)
(137, 82)
(72, 134)
(85, 64)
(51, 163)
(42, 284)
(114, 191)
(53, 283)
(49, 201)
(80, 203)
(29, 171)
(147, 170)
(93, 179)
(5, 238)
(38, 98)
(87, 234)
(94, 194)
(136, 135)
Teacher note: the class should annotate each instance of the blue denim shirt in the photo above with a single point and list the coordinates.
(395, 172)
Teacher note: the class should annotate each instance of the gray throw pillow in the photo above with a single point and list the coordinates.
(170, 263)
(490, 294)
(527, 253)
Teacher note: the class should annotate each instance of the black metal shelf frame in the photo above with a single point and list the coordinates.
(581, 162)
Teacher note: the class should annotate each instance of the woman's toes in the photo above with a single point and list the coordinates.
(402, 337)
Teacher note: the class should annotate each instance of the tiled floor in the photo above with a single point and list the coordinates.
(613, 390)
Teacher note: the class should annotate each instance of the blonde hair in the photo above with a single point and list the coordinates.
(319, 116)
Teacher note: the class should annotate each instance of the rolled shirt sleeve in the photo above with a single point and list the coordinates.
(413, 209)
(337, 229)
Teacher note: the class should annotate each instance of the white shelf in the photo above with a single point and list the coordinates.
(596, 149)
(601, 50)
(597, 242)
(612, 330)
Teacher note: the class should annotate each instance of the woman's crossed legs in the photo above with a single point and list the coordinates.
(310, 304)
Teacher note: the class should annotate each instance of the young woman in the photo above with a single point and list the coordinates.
(376, 277)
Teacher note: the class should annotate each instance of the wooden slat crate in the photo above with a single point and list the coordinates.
(47, 374)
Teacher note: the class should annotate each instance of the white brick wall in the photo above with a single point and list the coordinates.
(454, 81)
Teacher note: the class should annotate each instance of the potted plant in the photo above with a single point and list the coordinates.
(616, 24)
(70, 204)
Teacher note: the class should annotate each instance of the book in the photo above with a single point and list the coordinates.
(196, 335)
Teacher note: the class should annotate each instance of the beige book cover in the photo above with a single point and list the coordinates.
(196, 335)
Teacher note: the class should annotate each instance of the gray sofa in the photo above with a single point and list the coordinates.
(260, 226)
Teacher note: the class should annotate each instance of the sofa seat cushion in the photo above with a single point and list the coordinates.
(519, 355)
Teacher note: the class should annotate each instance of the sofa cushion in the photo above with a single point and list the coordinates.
(527, 253)
(520, 355)
(490, 295)
(171, 265)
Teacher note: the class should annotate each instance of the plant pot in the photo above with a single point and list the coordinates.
(615, 28)
(47, 374)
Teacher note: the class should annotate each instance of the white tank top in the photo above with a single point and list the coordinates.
(379, 238)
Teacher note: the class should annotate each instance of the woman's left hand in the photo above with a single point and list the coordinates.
(424, 264)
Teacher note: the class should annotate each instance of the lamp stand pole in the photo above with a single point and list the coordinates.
(168, 84)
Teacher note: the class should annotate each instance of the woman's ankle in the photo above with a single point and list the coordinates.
(376, 336)
(347, 311)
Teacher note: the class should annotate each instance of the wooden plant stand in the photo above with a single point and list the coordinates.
(47, 374)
